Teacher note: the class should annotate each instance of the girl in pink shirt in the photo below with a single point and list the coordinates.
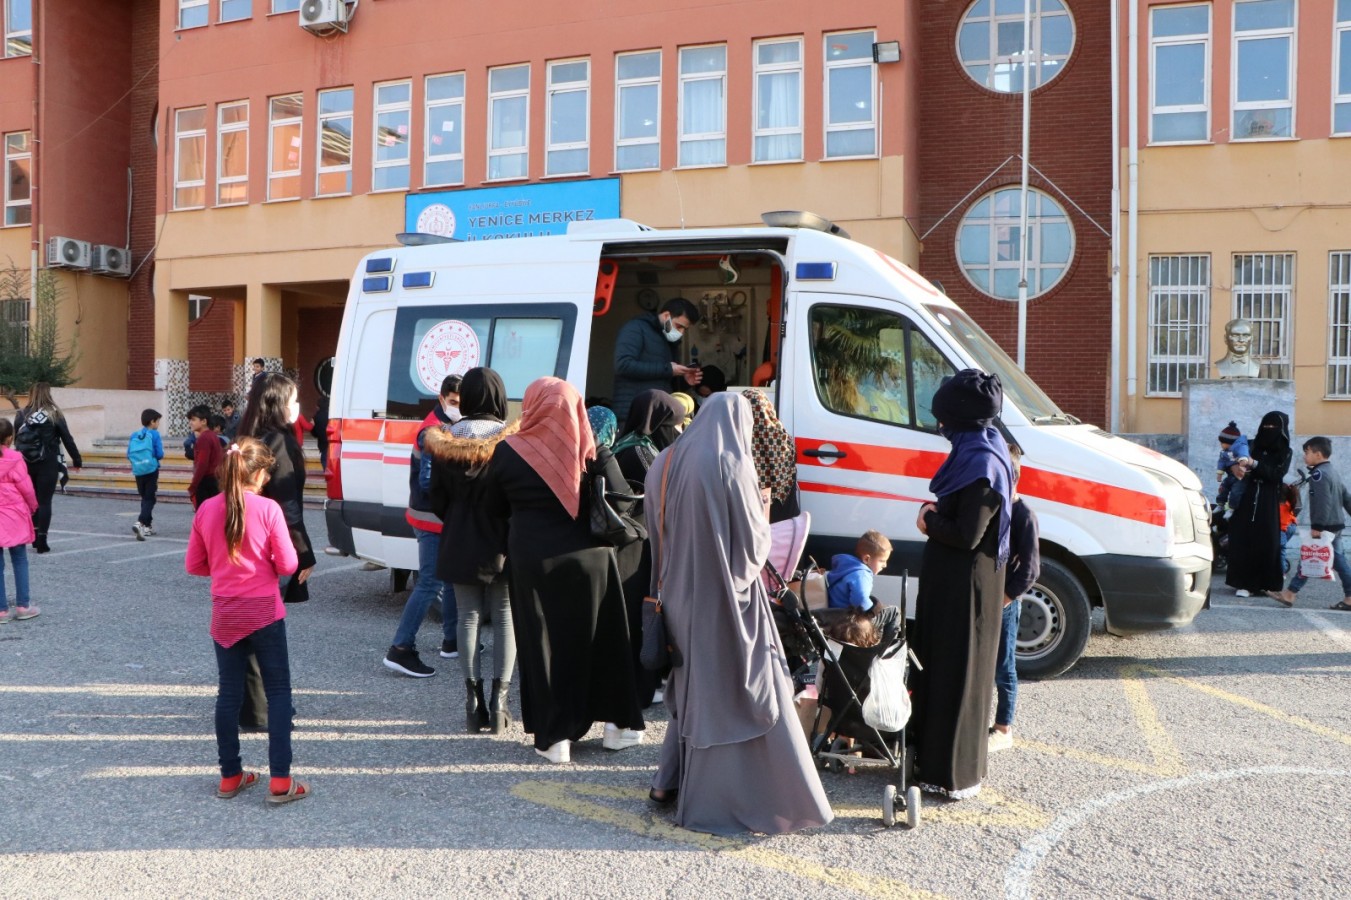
(241, 541)
(18, 502)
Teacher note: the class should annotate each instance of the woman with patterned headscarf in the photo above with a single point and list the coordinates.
(604, 425)
(567, 606)
(775, 457)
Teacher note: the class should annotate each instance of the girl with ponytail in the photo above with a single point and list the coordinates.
(241, 541)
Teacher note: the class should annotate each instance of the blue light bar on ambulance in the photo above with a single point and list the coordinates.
(377, 284)
(417, 280)
(815, 271)
(379, 264)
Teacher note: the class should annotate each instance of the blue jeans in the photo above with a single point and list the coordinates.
(19, 556)
(1006, 671)
(148, 487)
(427, 589)
(268, 644)
(1340, 565)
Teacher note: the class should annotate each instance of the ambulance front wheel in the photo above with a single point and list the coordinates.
(1053, 624)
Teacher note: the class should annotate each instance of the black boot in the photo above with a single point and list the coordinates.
(501, 712)
(475, 711)
(40, 542)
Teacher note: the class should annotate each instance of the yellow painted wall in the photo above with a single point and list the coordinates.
(1271, 197)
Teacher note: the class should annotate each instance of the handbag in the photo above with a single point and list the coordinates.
(609, 525)
(887, 707)
(657, 652)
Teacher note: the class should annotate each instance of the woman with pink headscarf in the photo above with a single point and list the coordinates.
(567, 602)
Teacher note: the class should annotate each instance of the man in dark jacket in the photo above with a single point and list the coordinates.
(402, 656)
(645, 353)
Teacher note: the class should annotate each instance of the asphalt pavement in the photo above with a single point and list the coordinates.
(1212, 760)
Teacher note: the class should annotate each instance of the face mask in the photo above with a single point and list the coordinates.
(452, 412)
(671, 333)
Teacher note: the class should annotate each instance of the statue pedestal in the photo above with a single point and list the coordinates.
(1208, 404)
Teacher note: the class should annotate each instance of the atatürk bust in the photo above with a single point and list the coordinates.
(1238, 362)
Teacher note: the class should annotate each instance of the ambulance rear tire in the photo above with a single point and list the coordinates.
(1053, 624)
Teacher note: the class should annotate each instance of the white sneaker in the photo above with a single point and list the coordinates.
(617, 738)
(1242, 593)
(139, 530)
(999, 740)
(558, 753)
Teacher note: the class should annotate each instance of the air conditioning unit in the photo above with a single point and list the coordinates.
(68, 253)
(323, 16)
(110, 260)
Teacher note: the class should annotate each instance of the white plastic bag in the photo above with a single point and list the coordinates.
(888, 705)
(1315, 556)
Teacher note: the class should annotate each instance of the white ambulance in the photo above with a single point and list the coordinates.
(850, 343)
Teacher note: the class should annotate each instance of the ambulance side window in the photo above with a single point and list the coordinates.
(872, 364)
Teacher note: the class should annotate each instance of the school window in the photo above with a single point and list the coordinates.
(232, 153)
(190, 158)
(989, 243)
(1339, 324)
(18, 27)
(778, 100)
(393, 121)
(283, 146)
(18, 178)
(197, 306)
(1264, 289)
(703, 106)
(990, 43)
(508, 122)
(1179, 78)
(568, 114)
(851, 95)
(1341, 78)
(193, 13)
(638, 111)
(1264, 69)
(280, 6)
(234, 10)
(334, 177)
(1179, 322)
(875, 365)
(15, 313)
(444, 158)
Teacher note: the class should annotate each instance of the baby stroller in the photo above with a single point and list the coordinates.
(844, 687)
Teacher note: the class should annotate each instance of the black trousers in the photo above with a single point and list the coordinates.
(44, 475)
(148, 487)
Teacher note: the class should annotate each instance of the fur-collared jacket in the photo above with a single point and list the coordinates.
(472, 545)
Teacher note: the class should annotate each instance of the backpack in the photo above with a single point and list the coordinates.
(141, 452)
(32, 440)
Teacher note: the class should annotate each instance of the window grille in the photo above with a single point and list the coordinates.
(1264, 287)
(1179, 322)
(1339, 324)
(15, 315)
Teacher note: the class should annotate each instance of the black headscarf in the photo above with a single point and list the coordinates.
(654, 415)
(1273, 435)
(483, 395)
(968, 401)
(966, 406)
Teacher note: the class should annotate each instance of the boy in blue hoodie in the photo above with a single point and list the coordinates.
(144, 451)
(849, 583)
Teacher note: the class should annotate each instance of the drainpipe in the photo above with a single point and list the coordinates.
(1133, 208)
(1114, 416)
(35, 160)
(1022, 213)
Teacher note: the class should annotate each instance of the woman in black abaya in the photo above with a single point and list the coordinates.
(1255, 529)
(958, 610)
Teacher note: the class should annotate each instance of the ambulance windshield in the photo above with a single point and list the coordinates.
(1018, 387)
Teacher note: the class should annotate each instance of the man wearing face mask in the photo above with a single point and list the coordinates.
(403, 656)
(646, 354)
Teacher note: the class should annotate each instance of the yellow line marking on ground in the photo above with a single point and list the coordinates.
(1255, 706)
(568, 798)
(1165, 761)
(988, 809)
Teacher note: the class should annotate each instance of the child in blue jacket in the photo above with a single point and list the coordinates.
(144, 451)
(849, 583)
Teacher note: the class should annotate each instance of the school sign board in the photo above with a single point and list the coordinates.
(523, 210)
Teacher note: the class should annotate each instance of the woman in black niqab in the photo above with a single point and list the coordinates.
(1255, 528)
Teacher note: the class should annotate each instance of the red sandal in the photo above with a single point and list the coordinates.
(248, 780)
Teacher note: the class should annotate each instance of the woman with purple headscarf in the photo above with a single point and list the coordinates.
(961, 588)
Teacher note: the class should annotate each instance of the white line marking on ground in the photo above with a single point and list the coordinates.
(346, 568)
(1338, 636)
(105, 534)
(91, 549)
(118, 562)
(1018, 876)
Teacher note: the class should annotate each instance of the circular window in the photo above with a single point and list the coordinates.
(988, 244)
(990, 42)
